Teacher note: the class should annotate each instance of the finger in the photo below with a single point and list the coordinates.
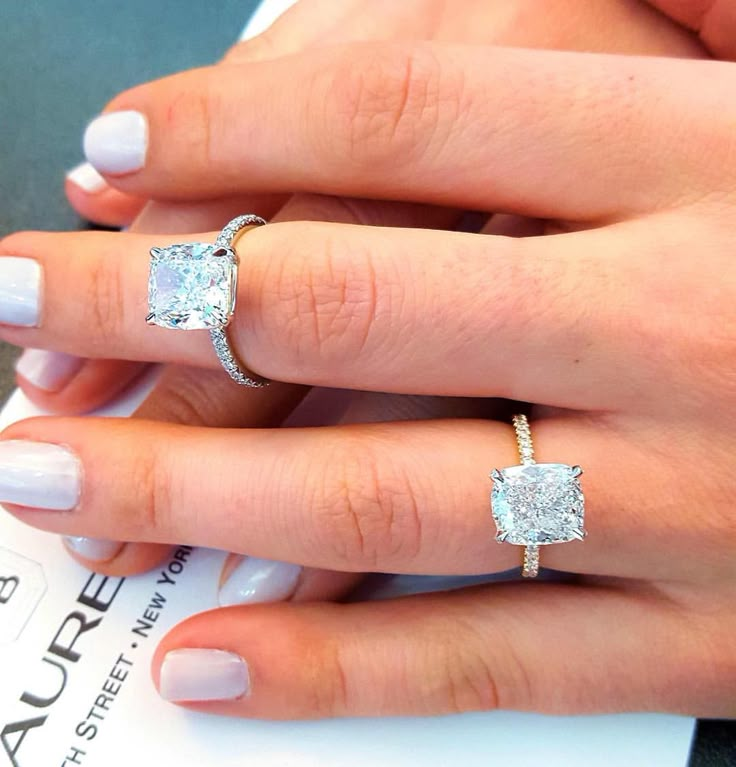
(601, 650)
(713, 20)
(94, 199)
(409, 497)
(250, 580)
(611, 26)
(115, 558)
(370, 308)
(65, 383)
(183, 217)
(606, 26)
(448, 125)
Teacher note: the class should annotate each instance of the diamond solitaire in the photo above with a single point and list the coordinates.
(192, 286)
(536, 504)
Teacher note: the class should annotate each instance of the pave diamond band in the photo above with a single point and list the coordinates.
(193, 286)
(235, 369)
(535, 504)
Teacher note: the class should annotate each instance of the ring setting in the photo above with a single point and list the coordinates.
(193, 286)
(536, 504)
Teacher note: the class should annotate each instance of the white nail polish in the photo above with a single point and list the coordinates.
(117, 142)
(93, 549)
(200, 674)
(259, 580)
(50, 371)
(86, 177)
(39, 475)
(20, 286)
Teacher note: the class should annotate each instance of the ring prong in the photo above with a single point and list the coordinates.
(576, 471)
(579, 535)
(150, 318)
(156, 252)
(501, 537)
(496, 476)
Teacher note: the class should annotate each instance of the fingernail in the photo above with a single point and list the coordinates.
(202, 674)
(93, 549)
(39, 475)
(50, 371)
(259, 580)
(87, 178)
(117, 142)
(20, 281)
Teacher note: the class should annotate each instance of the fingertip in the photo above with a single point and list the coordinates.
(115, 558)
(116, 142)
(64, 384)
(86, 178)
(100, 203)
(48, 371)
(92, 551)
(252, 580)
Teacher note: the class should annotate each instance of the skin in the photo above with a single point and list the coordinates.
(567, 314)
(627, 27)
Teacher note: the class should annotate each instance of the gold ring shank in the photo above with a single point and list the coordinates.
(530, 561)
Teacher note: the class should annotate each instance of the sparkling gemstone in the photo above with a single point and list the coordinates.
(192, 286)
(538, 503)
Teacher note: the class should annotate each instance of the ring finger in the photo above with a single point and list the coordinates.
(372, 308)
(406, 497)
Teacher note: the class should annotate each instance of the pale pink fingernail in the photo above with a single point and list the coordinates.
(259, 580)
(200, 674)
(93, 549)
(39, 474)
(86, 177)
(117, 142)
(50, 371)
(20, 291)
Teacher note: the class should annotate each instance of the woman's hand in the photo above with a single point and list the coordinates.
(621, 331)
(184, 396)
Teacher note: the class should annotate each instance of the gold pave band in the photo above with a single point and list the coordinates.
(530, 559)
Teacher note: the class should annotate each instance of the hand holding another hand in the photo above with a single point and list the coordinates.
(616, 332)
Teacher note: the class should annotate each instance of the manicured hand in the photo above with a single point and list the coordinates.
(67, 384)
(619, 330)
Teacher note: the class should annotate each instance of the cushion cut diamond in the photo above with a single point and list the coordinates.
(192, 286)
(538, 503)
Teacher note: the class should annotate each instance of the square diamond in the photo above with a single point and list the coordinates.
(192, 286)
(538, 503)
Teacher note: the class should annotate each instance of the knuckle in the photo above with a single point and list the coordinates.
(191, 397)
(330, 305)
(259, 48)
(467, 679)
(151, 517)
(389, 105)
(365, 512)
(333, 697)
(104, 298)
